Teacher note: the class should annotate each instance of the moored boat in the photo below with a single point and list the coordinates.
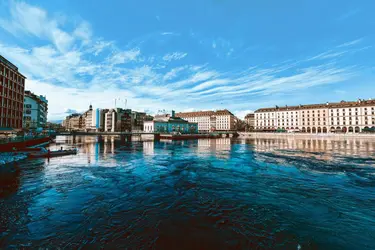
(49, 154)
(21, 143)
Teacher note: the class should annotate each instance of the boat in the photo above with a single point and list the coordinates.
(20, 143)
(50, 154)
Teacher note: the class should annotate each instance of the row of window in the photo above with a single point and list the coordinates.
(313, 111)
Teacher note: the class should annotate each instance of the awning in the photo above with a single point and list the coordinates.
(6, 130)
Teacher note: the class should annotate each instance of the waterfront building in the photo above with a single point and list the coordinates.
(137, 120)
(250, 121)
(118, 120)
(35, 111)
(220, 120)
(340, 117)
(73, 122)
(167, 123)
(110, 121)
(91, 120)
(12, 87)
(102, 118)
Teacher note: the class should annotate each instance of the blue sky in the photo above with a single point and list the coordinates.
(191, 55)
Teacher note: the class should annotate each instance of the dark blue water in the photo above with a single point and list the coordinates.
(206, 194)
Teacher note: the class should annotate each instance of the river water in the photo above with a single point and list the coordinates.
(202, 194)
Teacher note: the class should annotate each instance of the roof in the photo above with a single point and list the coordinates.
(168, 118)
(251, 115)
(40, 98)
(204, 113)
(10, 65)
(342, 104)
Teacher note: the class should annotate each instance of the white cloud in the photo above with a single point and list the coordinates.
(30, 20)
(173, 73)
(83, 32)
(79, 68)
(328, 54)
(124, 56)
(350, 43)
(99, 46)
(174, 56)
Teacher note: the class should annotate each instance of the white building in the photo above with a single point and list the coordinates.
(35, 111)
(344, 117)
(220, 120)
(92, 119)
(110, 121)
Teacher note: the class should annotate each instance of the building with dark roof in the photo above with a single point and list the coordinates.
(338, 117)
(220, 120)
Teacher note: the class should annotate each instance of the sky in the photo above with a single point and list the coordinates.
(190, 55)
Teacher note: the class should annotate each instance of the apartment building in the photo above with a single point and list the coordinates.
(73, 122)
(341, 117)
(220, 120)
(118, 120)
(12, 87)
(250, 121)
(35, 111)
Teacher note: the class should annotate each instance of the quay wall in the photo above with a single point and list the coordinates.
(304, 136)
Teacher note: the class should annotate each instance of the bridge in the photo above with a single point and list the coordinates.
(157, 135)
(108, 133)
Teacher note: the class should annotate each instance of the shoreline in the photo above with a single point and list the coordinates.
(247, 135)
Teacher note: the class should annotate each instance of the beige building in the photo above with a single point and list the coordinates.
(72, 122)
(220, 120)
(250, 121)
(342, 117)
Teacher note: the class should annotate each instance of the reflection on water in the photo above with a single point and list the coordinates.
(202, 194)
(358, 151)
(360, 147)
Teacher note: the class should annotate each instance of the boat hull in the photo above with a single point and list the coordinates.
(20, 145)
(52, 154)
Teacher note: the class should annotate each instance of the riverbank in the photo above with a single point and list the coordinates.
(304, 135)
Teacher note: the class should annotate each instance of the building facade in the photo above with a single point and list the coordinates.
(12, 88)
(170, 124)
(35, 111)
(342, 117)
(73, 122)
(92, 120)
(250, 121)
(137, 120)
(208, 121)
(118, 120)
